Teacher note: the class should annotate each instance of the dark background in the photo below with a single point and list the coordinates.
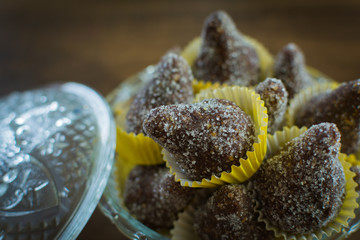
(100, 43)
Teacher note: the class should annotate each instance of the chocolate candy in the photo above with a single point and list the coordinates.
(301, 187)
(290, 68)
(205, 138)
(340, 106)
(153, 197)
(273, 92)
(229, 212)
(225, 56)
(171, 83)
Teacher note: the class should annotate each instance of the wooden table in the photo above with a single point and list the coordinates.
(100, 43)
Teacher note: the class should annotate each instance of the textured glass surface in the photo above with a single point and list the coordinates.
(50, 144)
(112, 205)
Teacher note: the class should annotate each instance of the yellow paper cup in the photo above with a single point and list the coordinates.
(346, 213)
(353, 160)
(357, 154)
(198, 86)
(252, 105)
(318, 76)
(184, 226)
(122, 168)
(135, 148)
(191, 50)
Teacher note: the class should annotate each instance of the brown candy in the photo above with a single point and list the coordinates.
(301, 187)
(229, 212)
(153, 197)
(340, 106)
(291, 69)
(224, 55)
(170, 84)
(273, 92)
(205, 138)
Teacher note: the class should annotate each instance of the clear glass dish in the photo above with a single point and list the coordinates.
(112, 205)
(57, 149)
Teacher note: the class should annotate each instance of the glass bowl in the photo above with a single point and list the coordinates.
(112, 205)
(57, 149)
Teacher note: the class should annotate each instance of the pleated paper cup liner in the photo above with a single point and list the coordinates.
(318, 76)
(202, 85)
(119, 111)
(191, 50)
(137, 148)
(353, 160)
(184, 226)
(252, 105)
(357, 155)
(131, 149)
(121, 168)
(346, 212)
(303, 97)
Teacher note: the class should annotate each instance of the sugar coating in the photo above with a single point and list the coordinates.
(171, 84)
(154, 198)
(340, 106)
(290, 67)
(273, 92)
(224, 54)
(205, 138)
(301, 188)
(229, 214)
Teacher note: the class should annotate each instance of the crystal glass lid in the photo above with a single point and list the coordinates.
(56, 152)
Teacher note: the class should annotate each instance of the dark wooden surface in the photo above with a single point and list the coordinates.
(100, 43)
